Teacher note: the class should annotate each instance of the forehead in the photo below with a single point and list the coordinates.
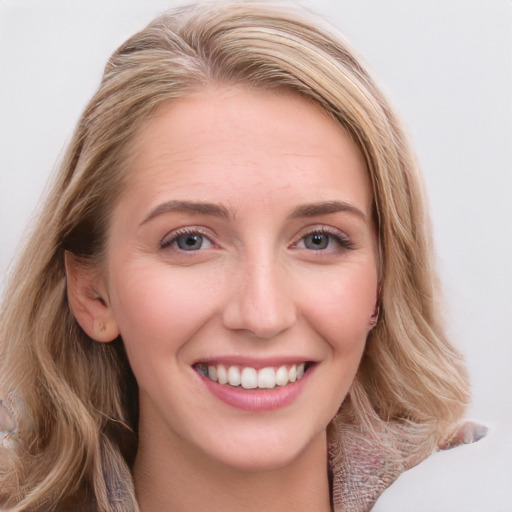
(226, 142)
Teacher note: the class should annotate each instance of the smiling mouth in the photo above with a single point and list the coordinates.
(247, 377)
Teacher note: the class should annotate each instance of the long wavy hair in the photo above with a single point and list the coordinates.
(77, 398)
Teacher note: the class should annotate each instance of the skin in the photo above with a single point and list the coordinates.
(255, 288)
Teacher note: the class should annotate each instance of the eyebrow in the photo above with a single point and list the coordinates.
(326, 207)
(216, 210)
(196, 207)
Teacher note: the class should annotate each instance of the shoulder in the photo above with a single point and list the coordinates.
(469, 476)
(363, 465)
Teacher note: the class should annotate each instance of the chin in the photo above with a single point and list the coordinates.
(261, 463)
(269, 452)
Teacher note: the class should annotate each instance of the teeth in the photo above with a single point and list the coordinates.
(267, 378)
(234, 377)
(222, 374)
(250, 378)
(212, 372)
(282, 376)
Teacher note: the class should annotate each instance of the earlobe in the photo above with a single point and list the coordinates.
(88, 300)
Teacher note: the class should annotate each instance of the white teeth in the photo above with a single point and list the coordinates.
(222, 374)
(282, 376)
(267, 378)
(250, 378)
(234, 378)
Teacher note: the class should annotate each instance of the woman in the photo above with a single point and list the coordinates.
(229, 299)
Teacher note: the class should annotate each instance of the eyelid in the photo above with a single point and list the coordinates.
(173, 235)
(339, 236)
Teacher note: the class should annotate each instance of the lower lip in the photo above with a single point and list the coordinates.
(256, 400)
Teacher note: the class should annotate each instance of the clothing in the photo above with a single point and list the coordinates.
(362, 467)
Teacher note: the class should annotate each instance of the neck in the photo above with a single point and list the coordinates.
(168, 478)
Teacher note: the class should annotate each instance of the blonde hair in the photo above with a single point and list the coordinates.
(78, 397)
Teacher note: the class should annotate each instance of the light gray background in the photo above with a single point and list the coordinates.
(447, 66)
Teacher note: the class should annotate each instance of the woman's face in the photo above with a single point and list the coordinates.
(242, 250)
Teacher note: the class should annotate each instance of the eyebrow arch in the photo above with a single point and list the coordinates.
(194, 207)
(326, 207)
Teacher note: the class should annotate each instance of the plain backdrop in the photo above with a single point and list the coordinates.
(447, 66)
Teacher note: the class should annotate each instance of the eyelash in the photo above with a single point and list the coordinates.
(168, 242)
(342, 241)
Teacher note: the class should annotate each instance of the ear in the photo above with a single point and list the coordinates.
(376, 312)
(88, 300)
(375, 317)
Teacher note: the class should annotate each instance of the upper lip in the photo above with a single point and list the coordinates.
(256, 363)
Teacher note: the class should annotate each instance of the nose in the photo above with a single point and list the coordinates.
(261, 303)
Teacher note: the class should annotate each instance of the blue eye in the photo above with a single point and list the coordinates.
(187, 241)
(317, 241)
(322, 239)
(190, 242)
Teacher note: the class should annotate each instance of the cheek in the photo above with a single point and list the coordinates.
(158, 310)
(340, 305)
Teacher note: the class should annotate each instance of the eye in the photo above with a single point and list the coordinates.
(324, 239)
(187, 240)
(317, 241)
(191, 242)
